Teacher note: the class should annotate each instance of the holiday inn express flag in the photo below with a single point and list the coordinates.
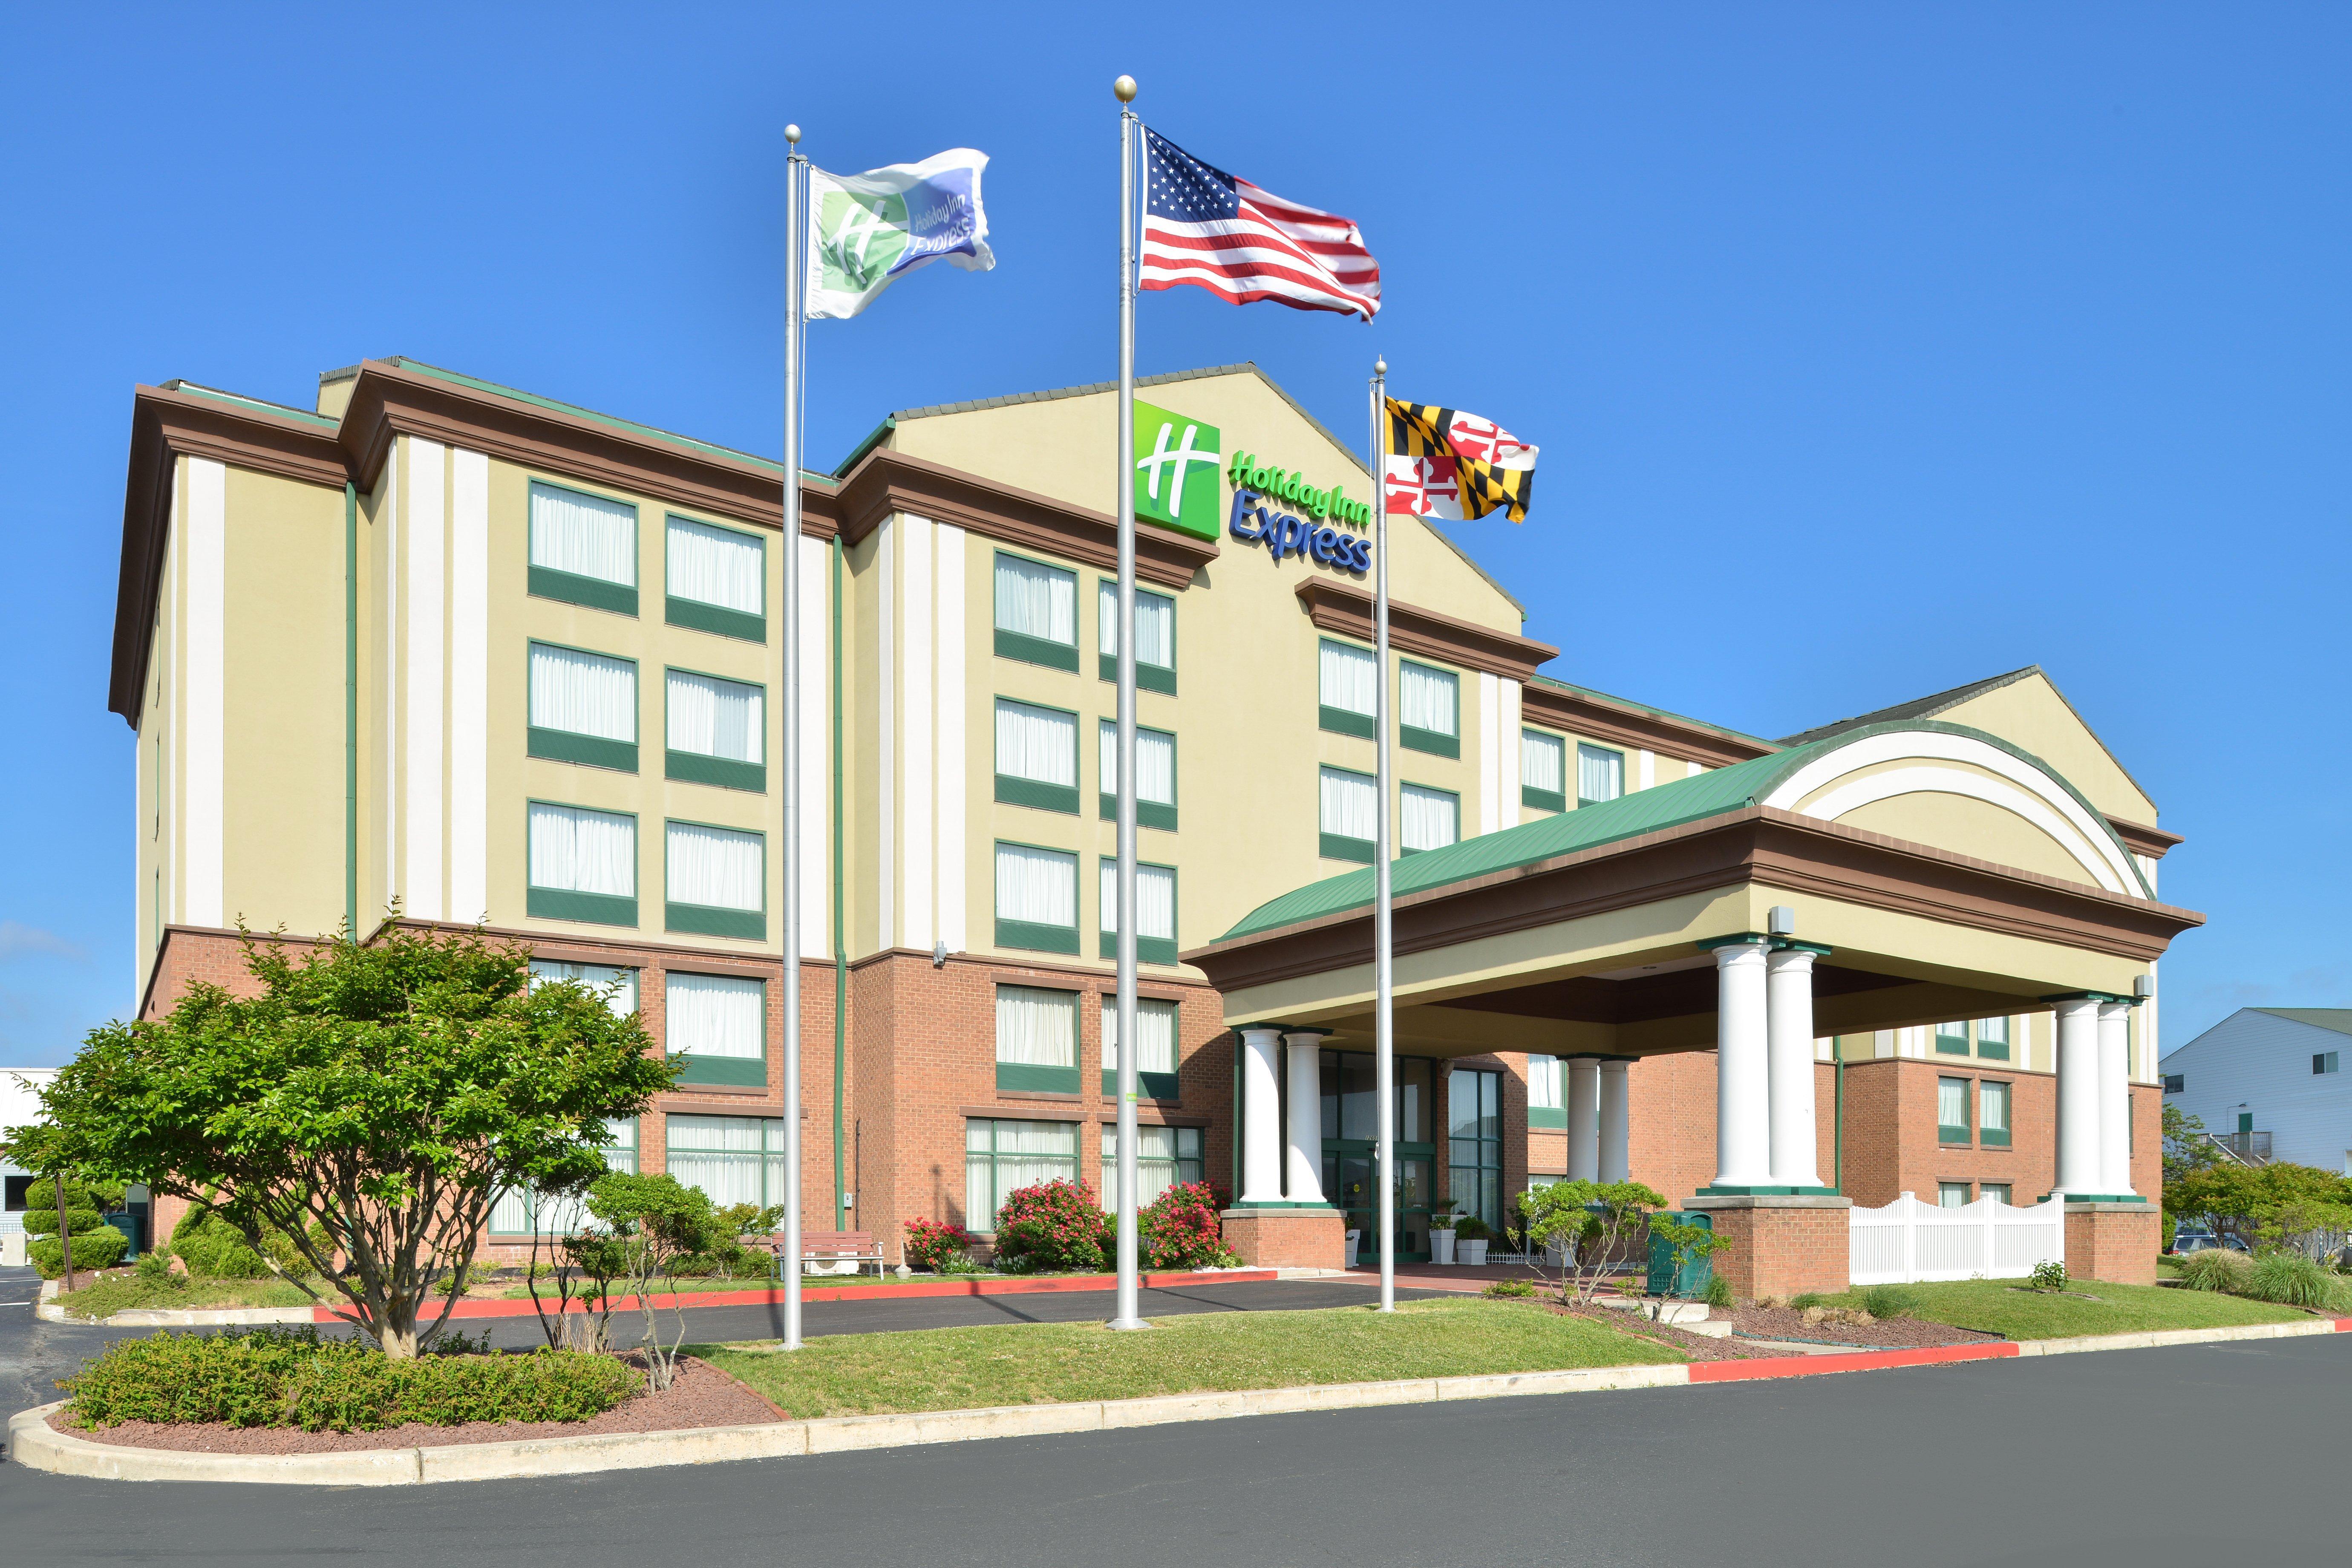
(1244, 244)
(868, 230)
(1444, 463)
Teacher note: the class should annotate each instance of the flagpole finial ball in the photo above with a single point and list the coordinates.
(1380, 367)
(1125, 88)
(793, 135)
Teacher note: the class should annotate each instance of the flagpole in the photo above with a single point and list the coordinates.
(795, 283)
(1126, 1317)
(1383, 956)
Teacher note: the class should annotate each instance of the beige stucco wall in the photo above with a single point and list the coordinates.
(2030, 714)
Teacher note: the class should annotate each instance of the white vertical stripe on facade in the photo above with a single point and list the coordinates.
(885, 680)
(175, 707)
(205, 674)
(952, 702)
(427, 549)
(470, 681)
(816, 751)
(1490, 724)
(916, 875)
(388, 882)
(1507, 756)
(1649, 767)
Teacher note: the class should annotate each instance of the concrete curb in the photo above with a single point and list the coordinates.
(33, 1444)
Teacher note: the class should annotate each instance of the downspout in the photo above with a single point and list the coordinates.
(840, 943)
(1837, 1146)
(351, 711)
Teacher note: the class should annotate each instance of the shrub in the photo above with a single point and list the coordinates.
(99, 1247)
(1179, 1229)
(1470, 1227)
(2049, 1275)
(1052, 1226)
(936, 1245)
(95, 1244)
(282, 1377)
(1509, 1288)
(2216, 1269)
(1889, 1301)
(1719, 1292)
(2289, 1279)
(213, 1248)
(1810, 1298)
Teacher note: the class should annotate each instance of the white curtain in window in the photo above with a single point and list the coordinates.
(1036, 601)
(1952, 1101)
(714, 1015)
(1039, 744)
(575, 850)
(585, 535)
(1428, 818)
(1155, 764)
(1992, 1107)
(585, 693)
(1155, 1037)
(1992, 1032)
(1544, 1085)
(1026, 1154)
(1039, 886)
(1543, 761)
(518, 1210)
(720, 1154)
(1348, 802)
(1600, 774)
(1426, 699)
(1155, 901)
(716, 566)
(1156, 1168)
(1036, 1027)
(623, 996)
(1155, 625)
(717, 867)
(715, 718)
(1351, 680)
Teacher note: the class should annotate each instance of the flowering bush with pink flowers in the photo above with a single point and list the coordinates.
(1179, 1229)
(937, 1245)
(1051, 1227)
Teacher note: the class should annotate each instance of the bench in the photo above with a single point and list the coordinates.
(830, 1248)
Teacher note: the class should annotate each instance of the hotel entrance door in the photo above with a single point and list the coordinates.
(1351, 1151)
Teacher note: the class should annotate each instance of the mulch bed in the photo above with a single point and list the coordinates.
(1888, 1333)
(1693, 1347)
(702, 1396)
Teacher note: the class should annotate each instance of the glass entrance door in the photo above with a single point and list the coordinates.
(1351, 1151)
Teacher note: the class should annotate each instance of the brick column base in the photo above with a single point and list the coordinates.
(1780, 1244)
(1287, 1238)
(2114, 1242)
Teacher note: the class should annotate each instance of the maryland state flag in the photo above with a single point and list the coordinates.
(1444, 463)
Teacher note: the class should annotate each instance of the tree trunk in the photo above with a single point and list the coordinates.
(65, 1242)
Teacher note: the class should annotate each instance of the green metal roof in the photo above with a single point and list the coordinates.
(2336, 1018)
(1714, 794)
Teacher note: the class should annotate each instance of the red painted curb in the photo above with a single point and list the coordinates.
(900, 1291)
(1860, 1361)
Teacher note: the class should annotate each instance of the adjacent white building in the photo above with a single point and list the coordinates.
(20, 1106)
(2270, 1081)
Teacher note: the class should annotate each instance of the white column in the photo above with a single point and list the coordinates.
(1789, 1008)
(2078, 1095)
(1305, 1152)
(1260, 1118)
(2114, 1097)
(1583, 1119)
(1615, 1108)
(1743, 1136)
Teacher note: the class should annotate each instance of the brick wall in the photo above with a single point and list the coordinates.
(1670, 1117)
(1782, 1252)
(1892, 1144)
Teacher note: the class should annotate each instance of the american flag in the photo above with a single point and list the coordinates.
(1204, 226)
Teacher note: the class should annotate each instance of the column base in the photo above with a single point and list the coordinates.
(1783, 1243)
(1287, 1235)
(1719, 1190)
(2113, 1239)
(2094, 1198)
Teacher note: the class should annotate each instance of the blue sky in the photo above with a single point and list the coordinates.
(1872, 350)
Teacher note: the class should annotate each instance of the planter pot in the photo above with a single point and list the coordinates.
(1441, 1247)
(1355, 1240)
(1474, 1253)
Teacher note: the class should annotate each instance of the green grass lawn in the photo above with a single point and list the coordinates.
(1995, 1306)
(178, 1294)
(1044, 1363)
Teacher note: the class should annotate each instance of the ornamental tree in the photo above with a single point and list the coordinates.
(2262, 1207)
(1589, 1222)
(368, 1107)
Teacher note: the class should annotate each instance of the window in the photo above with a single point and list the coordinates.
(1155, 912)
(1952, 1110)
(583, 708)
(1350, 689)
(1036, 756)
(1428, 716)
(735, 1159)
(1998, 1191)
(718, 1024)
(1155, 637)
(1164, 1157)
(1427, 818)
(583, 865)
(1000, 1158)
(1543, 771)
(1952, 1195)
(718, 580)
(617, 986)
(584, 549)
(1036, 613)
(1599, 775)
(1155, 1048)
(1475, 1143)
(1992, 1114)
(518, 1211)
(1952, 1039)
(1155, 775)
(1547, 1092)
(1992, 1038)
(2322, 1061)
(2174, 1083)
(717, 881)
(1036, 899)
(1037, 1040)
(1349, 802)
(717, 731)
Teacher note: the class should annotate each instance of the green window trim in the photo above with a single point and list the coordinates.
(697, 616)
(1347, 721)
(1147, 1085)
(588, 592)
(1148, 949)
(733, 1072)
(1543, 799)
(1548, 1116)
(725, 772)
(1036, 650)
(1034, 937)
(711, 919)
(1431, 741)
(589, 751)
(1148, 677)
(1992, 1050)
(1148, 813)
(1959, 1133)
(1952, 1045)
(1038, 796)
(591, 909)
(1024, 1078)
(1995, 1137)
(1339, 846)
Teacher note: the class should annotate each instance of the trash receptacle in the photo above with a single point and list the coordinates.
(1692, 1282)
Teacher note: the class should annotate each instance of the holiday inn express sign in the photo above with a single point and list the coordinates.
(1176, 464)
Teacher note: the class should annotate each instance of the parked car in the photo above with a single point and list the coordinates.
(2188, 1241)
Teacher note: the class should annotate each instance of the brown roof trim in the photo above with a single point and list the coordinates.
(2141, 840)
(1584, 714)
(1334, 607)
(1757, 843)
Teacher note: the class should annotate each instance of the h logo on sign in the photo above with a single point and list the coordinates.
(1171, 486)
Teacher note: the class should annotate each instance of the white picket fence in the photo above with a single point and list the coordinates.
(1910, 1242)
